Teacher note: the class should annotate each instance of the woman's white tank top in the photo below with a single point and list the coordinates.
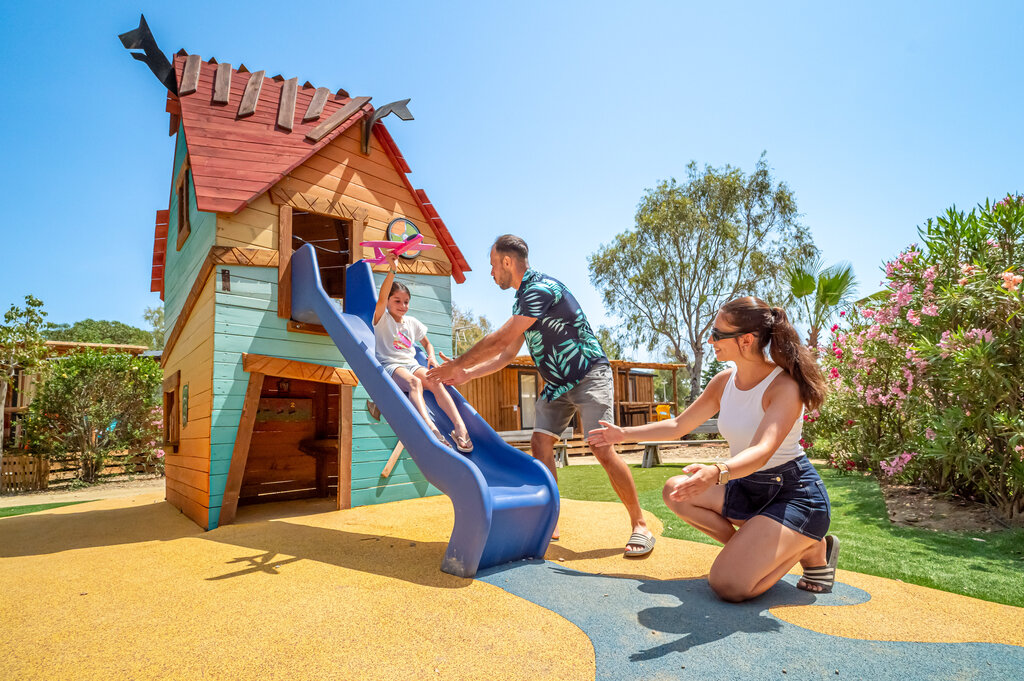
(741, 413)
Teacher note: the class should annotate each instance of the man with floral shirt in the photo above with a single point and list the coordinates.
(568, 356)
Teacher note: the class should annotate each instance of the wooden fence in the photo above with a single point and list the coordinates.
(27, 473)
(24, 474)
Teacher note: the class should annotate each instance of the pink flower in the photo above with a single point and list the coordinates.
(929, 433)
(930, 273)
(842, 313)
(833, 372)
(834, 327)
(979, 335)
(1011, 281)
(930, 310)
(849, 422)
(962, 282)
(868, 313)
(159, 453)
(913, 318)
(992, 242)
(805, 444)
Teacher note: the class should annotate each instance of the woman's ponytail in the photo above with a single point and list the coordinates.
(773, 330)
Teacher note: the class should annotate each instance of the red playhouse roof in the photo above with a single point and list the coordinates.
(245, 132)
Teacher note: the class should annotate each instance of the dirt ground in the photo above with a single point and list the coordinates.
(917, 507)
(116, 488)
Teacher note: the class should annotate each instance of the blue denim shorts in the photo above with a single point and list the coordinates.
(792, 494)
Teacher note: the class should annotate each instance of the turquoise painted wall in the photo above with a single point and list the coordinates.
(182, 267)
(246, 321)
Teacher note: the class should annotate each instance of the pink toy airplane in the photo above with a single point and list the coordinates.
(396, 247)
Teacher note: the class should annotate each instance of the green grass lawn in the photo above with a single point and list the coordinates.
(19, 510)
(983, 565)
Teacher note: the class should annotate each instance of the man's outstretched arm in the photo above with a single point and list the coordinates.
(501, 344)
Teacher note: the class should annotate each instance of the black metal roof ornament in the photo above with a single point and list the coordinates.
(142, 38)
(398, 108)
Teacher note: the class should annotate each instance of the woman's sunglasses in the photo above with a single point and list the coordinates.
(723, 335)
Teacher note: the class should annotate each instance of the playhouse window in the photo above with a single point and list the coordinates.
(330, 238)
(183, 208)
(171, 410)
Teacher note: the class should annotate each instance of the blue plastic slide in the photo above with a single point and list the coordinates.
(506, 502)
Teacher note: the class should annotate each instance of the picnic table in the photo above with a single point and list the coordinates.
(561, 446)
(652, 455)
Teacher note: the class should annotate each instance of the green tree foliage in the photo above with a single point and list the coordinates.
(21, 346)
(92, 404)
(821, 291)
(98, 331)
(712, 369)
(610, 343)
(155, 317)
(694, 247)
(467, 330)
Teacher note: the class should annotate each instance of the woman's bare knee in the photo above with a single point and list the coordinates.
(728, 588)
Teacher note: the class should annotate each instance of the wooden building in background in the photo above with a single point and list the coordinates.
(506, 398)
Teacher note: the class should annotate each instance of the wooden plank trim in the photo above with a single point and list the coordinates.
(316, 105)
(337, 118)
(286, 107)
(247, 257)
(240, 453)
(190, 75)
(345, 447)
(433, 267)
(222, 84)
(317, 204)
(251, 96)
(303, 371)
(172, 382)
(284, 262)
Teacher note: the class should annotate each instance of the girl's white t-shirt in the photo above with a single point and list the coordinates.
(396, 341)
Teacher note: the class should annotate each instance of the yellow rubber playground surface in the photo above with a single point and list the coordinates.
(131, 589)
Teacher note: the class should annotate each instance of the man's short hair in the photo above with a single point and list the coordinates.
(510, 244)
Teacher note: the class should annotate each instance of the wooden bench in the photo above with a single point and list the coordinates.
(652, 455)
(561, 446)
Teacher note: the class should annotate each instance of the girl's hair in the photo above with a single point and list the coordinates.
(397, 287)
(773, 330)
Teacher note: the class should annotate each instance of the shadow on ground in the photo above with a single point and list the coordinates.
(643, 628)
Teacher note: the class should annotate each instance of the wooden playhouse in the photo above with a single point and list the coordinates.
(259, 407)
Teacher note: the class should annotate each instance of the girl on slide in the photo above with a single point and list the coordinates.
(396, 334)
(766, 503)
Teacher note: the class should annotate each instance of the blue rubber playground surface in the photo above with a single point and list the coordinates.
(653, 629)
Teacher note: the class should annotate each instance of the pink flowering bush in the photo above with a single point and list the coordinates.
(928, 375)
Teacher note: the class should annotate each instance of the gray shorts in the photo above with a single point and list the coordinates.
(594, 396)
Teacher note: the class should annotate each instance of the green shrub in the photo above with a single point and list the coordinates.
(92, 404)
(928, 382)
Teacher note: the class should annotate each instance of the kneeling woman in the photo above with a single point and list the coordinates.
(766, 503)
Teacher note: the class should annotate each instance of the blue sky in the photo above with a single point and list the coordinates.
(545, 121)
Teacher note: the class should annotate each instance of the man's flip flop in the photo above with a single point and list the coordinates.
(823, 577)
(638, 539)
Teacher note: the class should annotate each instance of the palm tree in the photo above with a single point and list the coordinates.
(822, 290)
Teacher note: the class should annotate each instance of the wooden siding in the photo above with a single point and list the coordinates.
(246, 322)
(182, 266)
(256, 226)
(371, 183)
(187, 470)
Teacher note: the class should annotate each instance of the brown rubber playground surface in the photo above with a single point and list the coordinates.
(129, 588)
